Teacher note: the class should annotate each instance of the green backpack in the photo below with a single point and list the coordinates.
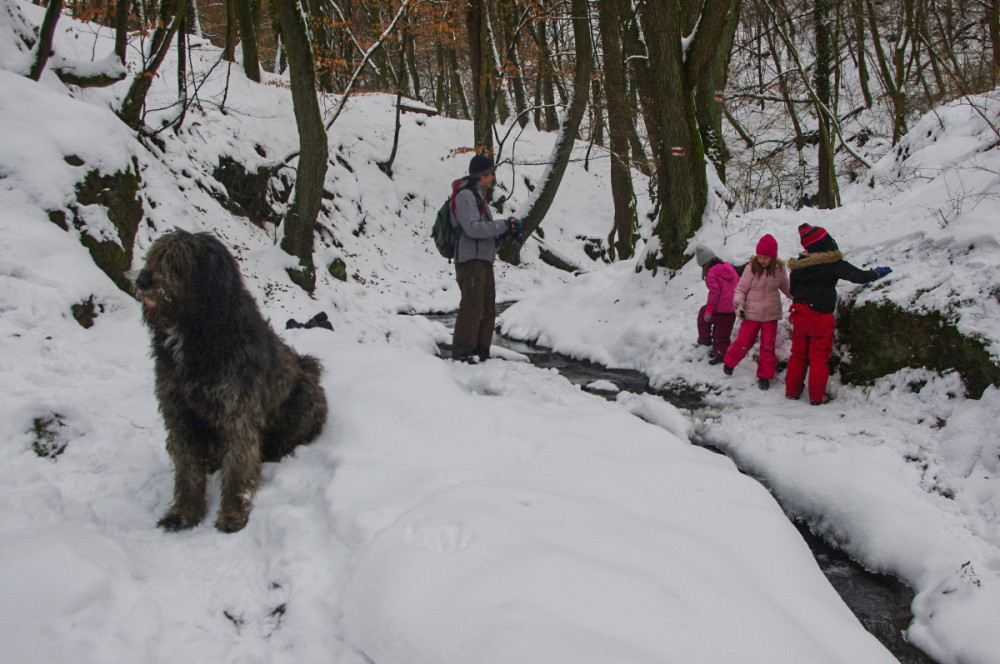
(445, 231)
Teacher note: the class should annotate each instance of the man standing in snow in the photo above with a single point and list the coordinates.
(813, 276)
(474, 255)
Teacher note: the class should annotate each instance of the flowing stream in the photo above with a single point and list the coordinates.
(881, 602)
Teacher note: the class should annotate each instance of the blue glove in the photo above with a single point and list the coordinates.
(882, 271)
(515, 227)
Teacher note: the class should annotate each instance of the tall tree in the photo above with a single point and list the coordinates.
(300, 216)
(621, 240)
(709, 103)
(668, 97)
(827, 196)
(545, 193)
(893, 69)
(43, 47)
(483, 107)
(545, 94)
(993, 17)
(171, 15)
(248, 39)
(121, 28)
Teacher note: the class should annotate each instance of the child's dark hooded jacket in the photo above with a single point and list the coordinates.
(814, 276)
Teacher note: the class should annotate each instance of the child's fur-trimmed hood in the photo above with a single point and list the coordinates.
(814, 259)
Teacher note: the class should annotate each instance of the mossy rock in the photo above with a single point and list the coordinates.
(118, 193)
(338, 269)
(250, 192)
(884, 338)
(303, 276)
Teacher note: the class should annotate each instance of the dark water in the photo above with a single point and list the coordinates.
(881, 603)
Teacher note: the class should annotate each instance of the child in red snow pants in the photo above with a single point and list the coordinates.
(812, 343)
(747, 337)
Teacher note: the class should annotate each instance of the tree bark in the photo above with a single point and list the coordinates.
(858, 23)
(894, 86)
(621, 240)
(994, 21)
(827, 197)
(550, 119)
(121, 28)
(546, 191)
(482, 79)
(43, 47)
(712, 81)
(171, 14)
(248, 40)
(456, 83)
(669, 109)
(232, 32)
(300, 217)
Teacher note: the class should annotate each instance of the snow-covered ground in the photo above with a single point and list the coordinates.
(490, 513)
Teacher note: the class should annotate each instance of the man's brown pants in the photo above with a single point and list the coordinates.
(477, 312)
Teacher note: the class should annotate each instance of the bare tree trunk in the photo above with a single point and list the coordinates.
(894, 85)
(708, 95)
(994, 21)
(668, 97)
(121, 28)
(456, 82)
(43, 47)
(248, 40)
(171, 14)
(621, 240)
(482, 79)
(410, 64)
(827, 197)
(232, 32)
(786, 95)
(507, 10)
(300, 217)
(858, 23)
(546, 192)
(182, 60)
(550, 119)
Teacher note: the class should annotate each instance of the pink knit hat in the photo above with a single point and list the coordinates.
(767, 246)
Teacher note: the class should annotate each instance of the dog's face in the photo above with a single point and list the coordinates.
(186, 275)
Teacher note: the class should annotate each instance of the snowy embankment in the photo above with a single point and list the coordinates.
(903, 475)
(447, 513)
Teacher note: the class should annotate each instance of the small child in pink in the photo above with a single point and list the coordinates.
(758, 303)
(716, 318)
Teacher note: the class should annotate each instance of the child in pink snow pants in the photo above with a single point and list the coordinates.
(716, 318)
(757, 300)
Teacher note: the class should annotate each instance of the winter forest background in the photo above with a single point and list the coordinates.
(585, 520)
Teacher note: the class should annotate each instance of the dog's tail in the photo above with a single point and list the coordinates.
(310, 365)
(302, 416)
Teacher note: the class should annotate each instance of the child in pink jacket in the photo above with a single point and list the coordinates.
(758, 303)
(716, 318)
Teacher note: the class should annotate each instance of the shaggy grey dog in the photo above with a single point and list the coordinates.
(231, 392)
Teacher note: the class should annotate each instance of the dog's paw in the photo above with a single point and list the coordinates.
(174, 521)
(231, 522)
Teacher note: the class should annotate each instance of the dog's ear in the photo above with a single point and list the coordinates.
(217, 275)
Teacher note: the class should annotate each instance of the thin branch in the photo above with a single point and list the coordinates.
(820, 106)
